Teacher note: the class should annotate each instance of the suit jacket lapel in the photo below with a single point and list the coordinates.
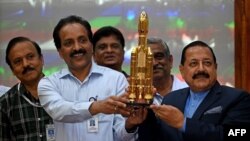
(212, 97)
(181, 103)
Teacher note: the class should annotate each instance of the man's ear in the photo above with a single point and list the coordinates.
(181, 69)
(171, 60)
(42, 59)
(60, 54)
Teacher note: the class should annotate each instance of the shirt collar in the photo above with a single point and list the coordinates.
(22, 91)
(198, 95)
(94, 70)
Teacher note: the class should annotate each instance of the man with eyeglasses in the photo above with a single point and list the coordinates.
(22, 118)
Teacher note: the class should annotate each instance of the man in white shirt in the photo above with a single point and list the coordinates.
(163, 80)
(84, 98)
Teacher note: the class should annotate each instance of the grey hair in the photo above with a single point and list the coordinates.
(156, 40)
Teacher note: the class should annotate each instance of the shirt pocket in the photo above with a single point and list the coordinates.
(20, 128)
(213, 118)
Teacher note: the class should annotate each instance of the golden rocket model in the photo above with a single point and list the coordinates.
(141, 67)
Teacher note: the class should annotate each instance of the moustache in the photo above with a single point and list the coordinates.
(83, 51)
(204, 74)
(27, 69)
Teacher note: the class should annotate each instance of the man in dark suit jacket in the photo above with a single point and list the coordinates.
(201, 112)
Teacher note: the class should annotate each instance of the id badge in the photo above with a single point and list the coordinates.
(92, 125)
(50, 132)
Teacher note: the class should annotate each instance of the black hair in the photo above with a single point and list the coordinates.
(156, 40)
(70, 20)
(107, 31)
(16, 40)
(193, 44)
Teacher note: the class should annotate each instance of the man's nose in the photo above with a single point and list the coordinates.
(201, 66)
(109, 48)
(77, 46)
(25, 62)
(155, 62)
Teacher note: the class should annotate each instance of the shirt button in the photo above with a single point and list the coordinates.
(38, 119)
(41, 135)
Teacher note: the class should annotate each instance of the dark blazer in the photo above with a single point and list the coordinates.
(223, 106)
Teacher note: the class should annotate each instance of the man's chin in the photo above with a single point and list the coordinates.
(110, 63)
(30, 78)
(202, 85)
(158, 73)
(79, 65)
(157, 76)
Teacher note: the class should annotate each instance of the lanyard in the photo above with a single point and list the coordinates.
(31, 103)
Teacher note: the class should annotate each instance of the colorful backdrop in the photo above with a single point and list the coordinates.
(177, 21)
